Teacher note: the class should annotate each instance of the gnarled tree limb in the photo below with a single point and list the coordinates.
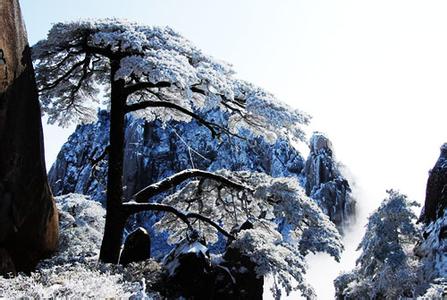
(174, 180)
(133, 207)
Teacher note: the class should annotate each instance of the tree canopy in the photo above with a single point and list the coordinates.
(385, 268)
(162, 72)
(156, 73)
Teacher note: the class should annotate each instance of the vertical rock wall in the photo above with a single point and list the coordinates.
(28, 218)
(325, 183)
(432, 248)
(436, 193)
(153, 152)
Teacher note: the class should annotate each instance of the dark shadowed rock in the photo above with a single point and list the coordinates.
(325, 183)
(436, 193)
(189, 272)
(6, 263)
(192, 274)
(28, 218)
(137, 247)
(247, 285)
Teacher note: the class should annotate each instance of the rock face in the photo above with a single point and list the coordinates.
(436, 193)
(153, 152)
(432, 247)
(137, 247)
(189, 272)
(28, 218)
(432, 252)
(325, 183)
(246, 285)
(192, 274)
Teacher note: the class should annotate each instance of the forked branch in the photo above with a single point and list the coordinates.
(133, 207)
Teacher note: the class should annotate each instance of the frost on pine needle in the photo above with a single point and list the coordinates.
(156, 64)
(269, 201)
(159, 75)
(386, 268)
(436, 290)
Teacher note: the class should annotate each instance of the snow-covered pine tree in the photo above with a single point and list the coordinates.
(386, 268)
(157, 74)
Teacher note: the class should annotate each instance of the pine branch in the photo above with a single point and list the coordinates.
(133, 207)
(146, 104)
(174, 180)
(130, 89)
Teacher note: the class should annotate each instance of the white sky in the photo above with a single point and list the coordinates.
(372, 73)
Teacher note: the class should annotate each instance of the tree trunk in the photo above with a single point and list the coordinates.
(115, 217)
(28, 216)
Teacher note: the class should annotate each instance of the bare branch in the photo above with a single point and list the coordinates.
(210, 222)
(64, 77)
(146, 104)
(133, 207)
(174, 180)
(130, 89)
(85, 75)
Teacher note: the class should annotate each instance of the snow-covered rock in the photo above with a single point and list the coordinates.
(137, 247)
(325, 183)
(154, 151)
(436, 291)
(432, 248)
(82, 225)
(436, 194)
(74, 271)
(433, 255)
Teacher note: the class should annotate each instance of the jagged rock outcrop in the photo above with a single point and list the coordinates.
(325, 183)
(431, 249)
(436, 193)
(432, 252)
(28, 218)
(153, 151)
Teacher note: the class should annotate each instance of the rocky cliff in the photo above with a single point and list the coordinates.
(436, 193)
(154, 151)
(432, 247)
(28, 218)
(325, 183)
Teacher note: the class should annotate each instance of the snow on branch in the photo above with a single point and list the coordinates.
(133, 207)
(176, 179)
(73, 65)
(276, 250)
(145, 104)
